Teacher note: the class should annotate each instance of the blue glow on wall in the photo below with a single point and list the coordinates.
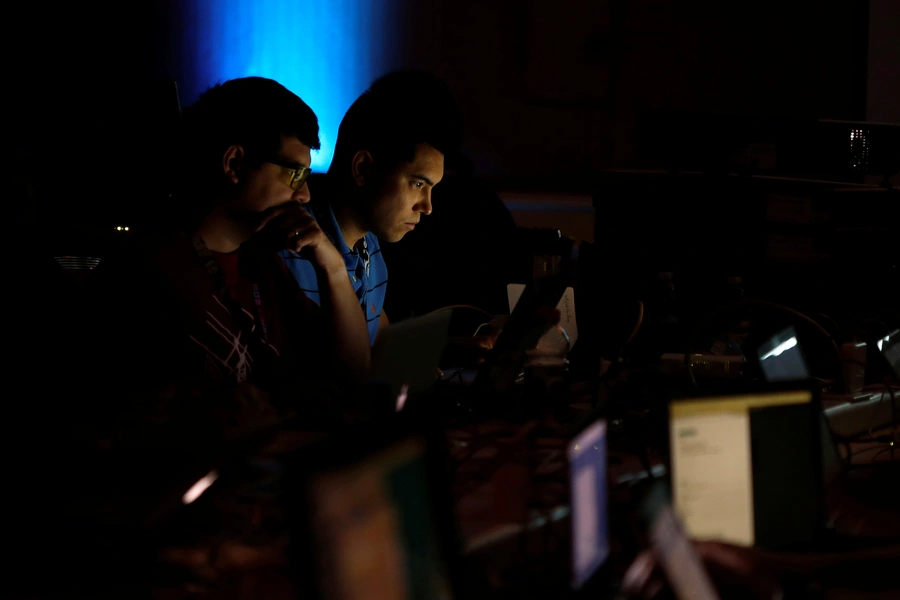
(323, 51)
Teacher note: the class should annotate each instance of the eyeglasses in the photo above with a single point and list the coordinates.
(298, 175)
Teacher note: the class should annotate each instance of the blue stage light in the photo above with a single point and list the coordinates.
(325, 52)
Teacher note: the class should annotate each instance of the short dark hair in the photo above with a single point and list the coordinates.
(398, 112)
(253, 112)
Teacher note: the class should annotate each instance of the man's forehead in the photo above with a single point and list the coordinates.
(427, 155)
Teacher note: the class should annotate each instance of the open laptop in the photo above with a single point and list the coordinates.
(370, 516)
(588, 502)
(565, 306)
(522, 331)
(407, 354)
(781, 358)
(889, 350)
(746, 468)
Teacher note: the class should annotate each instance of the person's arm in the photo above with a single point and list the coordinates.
(292, 227)
(383, 323)
(347, 323)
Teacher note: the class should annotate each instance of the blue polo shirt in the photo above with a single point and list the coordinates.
(365, 266)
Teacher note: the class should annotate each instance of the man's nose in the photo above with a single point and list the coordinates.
(302, 195)
(424, 206)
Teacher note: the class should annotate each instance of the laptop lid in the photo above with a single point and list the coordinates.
(782, 360)
(521, 332)
(565, 306)
(746, 469)
(406, 354)
(370, 516)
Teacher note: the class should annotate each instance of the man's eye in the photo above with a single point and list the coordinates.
(418, 185)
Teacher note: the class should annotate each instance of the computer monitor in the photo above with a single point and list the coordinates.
(368, 520)
(746, 469)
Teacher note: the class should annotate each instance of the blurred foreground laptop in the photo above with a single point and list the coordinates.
(588, 502)
(746, 468)
(371, 516)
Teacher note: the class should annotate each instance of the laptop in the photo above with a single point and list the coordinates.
(407, 354)
(781, 358)
(565, 306)
(588, 502)
(370, 516)
(889, 351)
(747, 468)
(522, 331)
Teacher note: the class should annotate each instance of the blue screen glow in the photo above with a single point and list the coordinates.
(325, 52)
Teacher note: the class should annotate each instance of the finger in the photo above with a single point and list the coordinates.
(263, 219)
(289, 221)
(299, 239)
(638, 575)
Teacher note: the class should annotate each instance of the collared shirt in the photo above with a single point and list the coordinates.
(365, 266)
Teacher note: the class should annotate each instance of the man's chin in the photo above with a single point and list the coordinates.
(390, 236)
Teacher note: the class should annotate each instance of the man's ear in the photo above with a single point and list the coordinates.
(361, 167)
(232, 162)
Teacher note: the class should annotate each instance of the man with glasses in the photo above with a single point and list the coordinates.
(390, 153)
(212, 301)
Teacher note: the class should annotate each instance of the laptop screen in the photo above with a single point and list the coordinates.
(587, 464)
(375, 535)
(744, 467)
(889, 346)
(781, 358)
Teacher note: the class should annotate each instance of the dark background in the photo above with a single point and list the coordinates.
(552, 94)
(556, 88)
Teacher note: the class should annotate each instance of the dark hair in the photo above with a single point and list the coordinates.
(398, 112)
(253, 112)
